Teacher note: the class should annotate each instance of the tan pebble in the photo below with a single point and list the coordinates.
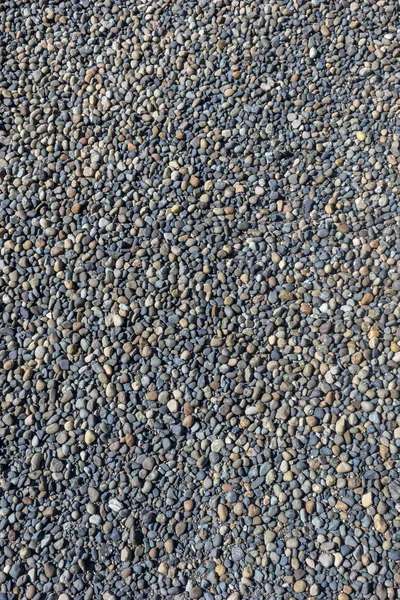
(269, 537)
(146, 351)
(380, 524)
(338, 559)
(25, 553)
(169, 546)
(194, 181)
(253, 511)
(384, 451)
(163, 568)
(129, 440)
(275, 257)
(285, 295)
(310, 506)
(188, 421)
(126, 554)
(187, 408)
(88, 172)
(238, 509)
(330, 480)
(173, 406)
(306, 308)
(340, 426)
(347, 589)
(300, 586)
(367, 500)
(366, 299)
(343, 467)
(90, 437)
(247, 572)
(222, 512)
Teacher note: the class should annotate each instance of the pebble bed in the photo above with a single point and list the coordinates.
(199, 300)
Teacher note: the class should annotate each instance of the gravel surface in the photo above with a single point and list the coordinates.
(199, 300)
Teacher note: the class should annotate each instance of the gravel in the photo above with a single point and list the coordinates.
(200, 300)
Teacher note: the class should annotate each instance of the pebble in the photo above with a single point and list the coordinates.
(90, 437)
(367, 500)
(326, 560)
(223, 512)
(379, 524)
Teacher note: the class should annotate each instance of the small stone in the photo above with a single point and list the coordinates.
(269, 537)
(196, 592)
(367, 406)
(300, 586)
(115, 505)
(173, 406)
(310, 506)
(90, 437)
(366, 299)
(340, 426)
(344, 467)
(223, 512)
(367, 500)
(126, 554)
(247, 572)
(326, 560)
(169, 546)
(49, 570)
(380, 524)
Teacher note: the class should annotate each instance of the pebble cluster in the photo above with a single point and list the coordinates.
(200, 300)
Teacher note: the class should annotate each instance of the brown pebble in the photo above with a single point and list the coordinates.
(222, 512)
(366, 299)
(188, 505)
(310, 506)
